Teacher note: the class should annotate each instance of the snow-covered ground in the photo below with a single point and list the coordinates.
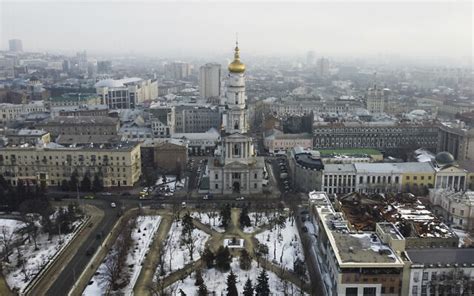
(216, 281)
(463, 237)
(175, 255)
(170, 185)
(283, 249)
(212, 219)
(18, 277)
(142, 236)
(257, 219)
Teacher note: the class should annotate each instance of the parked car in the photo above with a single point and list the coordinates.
(89, 196)
(126, 193)
(240, 198)
(113, 205)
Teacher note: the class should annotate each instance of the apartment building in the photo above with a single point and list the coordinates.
(52, 164)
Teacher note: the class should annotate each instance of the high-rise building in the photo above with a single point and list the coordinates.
(323, 67)
(235, 168)
(177, 70)
(210, 80)
(375, 100)
(15, 45)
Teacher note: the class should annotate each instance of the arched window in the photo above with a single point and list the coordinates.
(236, 125)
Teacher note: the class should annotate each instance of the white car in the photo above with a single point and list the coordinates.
(113, 205)
(240, 198)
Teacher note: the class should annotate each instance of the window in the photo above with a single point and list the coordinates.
(255, 176)
(370, 291)
(414, 290)
(462, 212)
(407, 177)
(255, 185)
(351, 292)
(425, 276)
(216, 176)
(217, 186)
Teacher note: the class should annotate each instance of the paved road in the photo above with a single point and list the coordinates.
(311, 264)
(68, 276)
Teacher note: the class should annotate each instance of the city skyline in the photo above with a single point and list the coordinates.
(438, 29)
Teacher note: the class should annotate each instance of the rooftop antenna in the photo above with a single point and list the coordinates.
(237, 39)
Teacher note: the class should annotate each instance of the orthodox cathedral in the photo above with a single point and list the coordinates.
(235, 168)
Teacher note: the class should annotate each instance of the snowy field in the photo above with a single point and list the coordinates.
(169, 186)
(148, 225)
(19, 275)
(212, 219)
(257, 219)
(283, 249)
(216, 281)
(175, 255)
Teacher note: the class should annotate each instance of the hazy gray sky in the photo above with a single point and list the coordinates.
(348, 28)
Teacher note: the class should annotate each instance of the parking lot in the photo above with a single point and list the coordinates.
(280, 168)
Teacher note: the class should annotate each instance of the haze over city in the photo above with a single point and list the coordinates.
(435, 29)
(243, 149)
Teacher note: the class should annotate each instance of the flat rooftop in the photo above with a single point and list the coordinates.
(349, 152)
(364, 247)
(442, 256)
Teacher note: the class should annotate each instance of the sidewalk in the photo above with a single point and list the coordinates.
(145, 279)
(62, 261)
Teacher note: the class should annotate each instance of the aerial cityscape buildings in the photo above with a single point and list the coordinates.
(150, 161)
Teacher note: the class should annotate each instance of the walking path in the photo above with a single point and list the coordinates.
(145, 279)
(145, 282)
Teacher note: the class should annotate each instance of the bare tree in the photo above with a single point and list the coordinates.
(30, 229)
(111, 272)
(6, 241)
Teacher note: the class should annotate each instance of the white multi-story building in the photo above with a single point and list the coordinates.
(126, 93)
(375, 100)
(235, 169)
(440, 271)
(210, 80)
(456, 207)
(355, 264)
(9, 112)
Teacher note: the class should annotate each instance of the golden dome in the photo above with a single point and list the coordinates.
(236, 66)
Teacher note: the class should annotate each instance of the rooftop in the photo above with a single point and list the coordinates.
(80, 120)
(350, 152)
(363, 249)
(112, 83)
(442, 256)
(74, 97)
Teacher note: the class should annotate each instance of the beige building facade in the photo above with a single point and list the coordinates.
(51, 165)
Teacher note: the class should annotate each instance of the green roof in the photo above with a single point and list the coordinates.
(74, 97)
(354, 151)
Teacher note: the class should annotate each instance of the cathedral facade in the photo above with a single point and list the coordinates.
(235, 168)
